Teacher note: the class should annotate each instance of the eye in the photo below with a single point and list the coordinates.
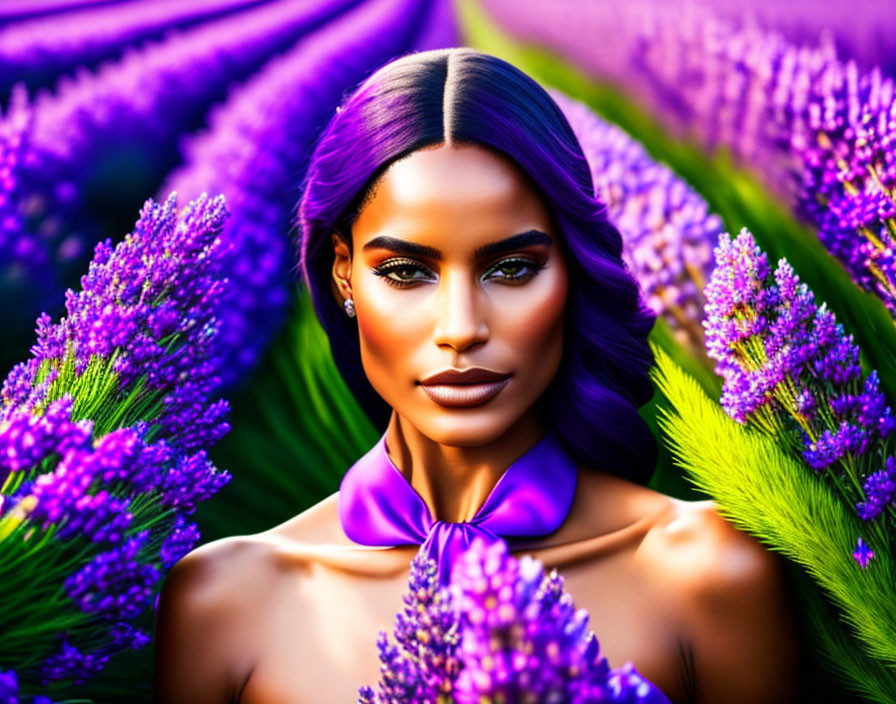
(403, 272)
(514, 269)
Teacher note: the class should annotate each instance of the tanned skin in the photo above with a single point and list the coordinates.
(291, 615)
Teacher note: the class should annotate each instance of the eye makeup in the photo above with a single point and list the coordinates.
(511, 270)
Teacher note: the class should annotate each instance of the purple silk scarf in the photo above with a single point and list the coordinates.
(377, 505)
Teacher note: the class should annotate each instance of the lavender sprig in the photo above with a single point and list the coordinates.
(790, 370)
(142, 329)
(503, 630)
(103, 439)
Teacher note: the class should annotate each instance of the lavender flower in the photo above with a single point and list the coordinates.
(863, 554)
(38, 50)
(179, 542)
(880, 490)
(255, 153)
(503, 630)
(782, 356)
(147, 313)
(115, 585)
(790, 371)
(667, 232)
(103, 438)
(419, 662)
(70, 663)
(116, 131)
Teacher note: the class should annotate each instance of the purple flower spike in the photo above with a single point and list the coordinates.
(116, 584)
(179, 542)
(781, 355)
(148, 309)
(502, 630)
(880, 492)
(70, 663)
(863, 554)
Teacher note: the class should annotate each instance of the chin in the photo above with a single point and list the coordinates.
(465, 428)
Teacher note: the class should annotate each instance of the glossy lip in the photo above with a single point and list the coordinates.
(471, 375)
(464, 388)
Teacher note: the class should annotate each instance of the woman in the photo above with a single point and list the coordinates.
(478, 307)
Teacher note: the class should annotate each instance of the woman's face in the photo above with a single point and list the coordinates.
(456, 265)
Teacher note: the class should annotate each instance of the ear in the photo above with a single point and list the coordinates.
(342, 266)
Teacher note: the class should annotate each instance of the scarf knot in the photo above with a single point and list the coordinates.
(377, 506)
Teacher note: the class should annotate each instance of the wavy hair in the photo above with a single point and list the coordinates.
(458, 96)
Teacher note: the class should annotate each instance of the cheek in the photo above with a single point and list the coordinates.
(535, 327)
(385, 335)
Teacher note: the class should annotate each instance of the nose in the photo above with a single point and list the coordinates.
(460, 322)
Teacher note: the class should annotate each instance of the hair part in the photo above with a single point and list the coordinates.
(453, 96)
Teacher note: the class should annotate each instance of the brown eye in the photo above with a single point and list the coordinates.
(403, 272)
(513, 270)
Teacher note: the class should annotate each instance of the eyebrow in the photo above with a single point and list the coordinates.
(411, 249)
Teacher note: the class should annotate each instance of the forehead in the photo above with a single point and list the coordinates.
(452, 191)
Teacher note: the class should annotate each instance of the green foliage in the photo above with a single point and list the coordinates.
(667, 477)
(764, 490)
(734, 193)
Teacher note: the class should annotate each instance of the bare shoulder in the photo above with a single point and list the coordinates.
(215, 602)
(204, 607)
(707, 553)
(739, 621)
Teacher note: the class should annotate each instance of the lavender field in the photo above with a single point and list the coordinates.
(166, 382)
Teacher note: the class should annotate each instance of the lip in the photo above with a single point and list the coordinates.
(464, 388)
(469, 376)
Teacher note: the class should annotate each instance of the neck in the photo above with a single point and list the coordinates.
(454, 481)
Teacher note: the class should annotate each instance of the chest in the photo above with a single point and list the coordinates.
(316, 640)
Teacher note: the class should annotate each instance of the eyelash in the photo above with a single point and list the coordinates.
(386, 268)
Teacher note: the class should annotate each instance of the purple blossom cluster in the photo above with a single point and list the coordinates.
(148, 310)
(880, 490)
(116, 131)
(820, 130)
(503, 630)
(667, 231)
(789, 369)
(781, 354)
(858, 28)
(419, 660)
(103, 436)
(38, 50)
(82, 489)
(256, 147)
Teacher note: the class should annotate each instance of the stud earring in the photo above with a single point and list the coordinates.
(349, 306)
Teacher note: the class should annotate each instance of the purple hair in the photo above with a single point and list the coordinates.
(465, 96)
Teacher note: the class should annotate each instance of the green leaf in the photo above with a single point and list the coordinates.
(766, 491)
